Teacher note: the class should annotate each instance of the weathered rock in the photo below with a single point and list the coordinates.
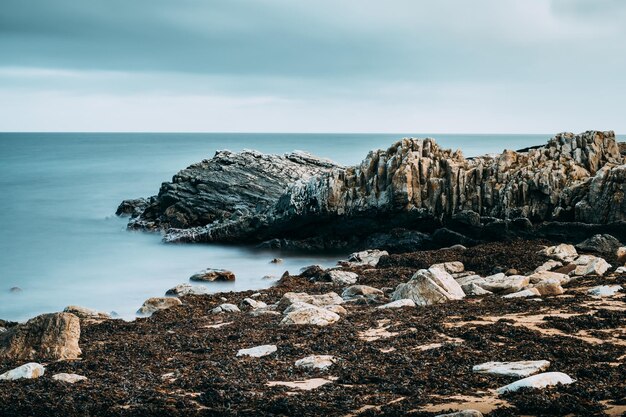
(405, 302)
(133, 207)
(620, 254)
(337, 309)
(52, 336)
(315, 300)
(450, 267)
(549, 287)
(86, 313)
(211, 274)
(519, 369)
(28, 371)
(605, 290)
(562, 252)
(429, 286)
(543, 380)
(502, 284)
(154, 304)
(528, 292)
(600, 243)
(361, 290)
(258, 351)
(312, 315)
(253, 304)
(367, 257)
(590, 265)
(549, 266)
(226, 308)
(69, 378)
(342, 277)
(463, 413)
(187, 289)
(316, 362)
(474, 289)
(549, 275)
(313, 272)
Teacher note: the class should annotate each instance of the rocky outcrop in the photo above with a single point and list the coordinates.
(48, 336)
(227, 186)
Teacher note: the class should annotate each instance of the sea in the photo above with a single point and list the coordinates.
(61, 243)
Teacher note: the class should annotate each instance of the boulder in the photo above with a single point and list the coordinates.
(342, 277)
(549, 287)
(28, 371)
(361, 291)
(52, 336)
(69, 378)
(590, 265)
(405, 302)
(429, 286)
(312, 315)
(474, 289)
(86, 313)
(258, 351)
(250, 303)
(528, 292)
(321, 362)
(603, 244)
(502, 284)
(519, 369)
(187, 289)
(549, 266)
(538, 381)
(225, 308)
(365, 258)
(620, 254)
(337, 309)
(540, 276)
(154, 304)
(450, 267)
(313, 272)
(212, 275)
(605, 290)
(562, 252)
(316, 300)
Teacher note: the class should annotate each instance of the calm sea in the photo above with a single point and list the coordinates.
(61, 243)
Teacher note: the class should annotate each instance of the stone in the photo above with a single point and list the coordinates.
(463, 413)
(601, 243)
(342, 277)
(27, 371)
(51, 336)
(226, 308)
(86, 313)
(213, 275)
(502, 284)
(187, 289)
(69, 378)
(429, 286)
(549, 266)
(365, 258)
(276, 261)
(406, 302)
(605, 290)
(540, 276)
(154, 304)
(15, 290)
(313, 272)
(562, 252)
(450, 267)
(337, 309)
(538, 381)
(528, 292)
(316, 300)
(549, 287)
(621, 270)
(258, 351)
(321, 362)
(312, 315)
(253, 304)
(620, 254)
(520, 369)
(474, 289)
(590, 265)
(363, 291)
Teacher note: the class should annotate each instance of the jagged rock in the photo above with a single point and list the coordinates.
(519, 369)
(154, 304)
(211, 274)
(133, 207)
(540, 276)
(316, 362)
(27, 371)
(258, 351)
(86, 313)
(399, 241)
(187, 289)
(429, 286)
(313, 272)
(604, 244)
(48, 336)
(405, 302)
(361, 290)
(562, 252)
(225, 308)
(69, 378)
(312, 315)
(528, 292)
(342, 277)
(543, 380)
(548, 266)
(605, 290)
(316, 300)
(450, 267)
(590, 265)
(368, 257)
(463, 413)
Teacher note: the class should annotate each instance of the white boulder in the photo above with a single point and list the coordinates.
(366, 257)
(342, 277)
(28, 371)
(605, 290)
(258, 351)
(429, 286)
(316, 300)
(225, 308)
(543, 380)
(316, 362)
(313, 315)
(519, 369)
(69, 378)
(562, 252)
(528, 292)
(158, 303)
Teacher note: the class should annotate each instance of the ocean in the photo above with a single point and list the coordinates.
(61, 243)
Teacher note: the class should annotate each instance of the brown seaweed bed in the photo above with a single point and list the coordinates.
(177, 363)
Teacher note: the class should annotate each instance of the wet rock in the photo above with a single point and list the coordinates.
(211, 275)
(405, 302)
(562, 252)
(133, 207)
(549, 266)
(361, 290)
(365, 258)
(258, 351)
(151, 305)
(313, 272)
(28, 371)
(311, 315)
(342, 277)
(429, 286)
(321, 362)
(86, 313)
(52, 336)
(605, 290)
(276, 261)
(463, 413)
(590, 265)
(226, 308)
(69, 378)
(538, 381)
(315, 300)
(519, 369)
(528, 292)
(600, 243)
(187, 289)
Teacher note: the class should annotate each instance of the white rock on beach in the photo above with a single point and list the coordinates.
(316, 300)
(562, 252)
(474, 289)
(69, 378)
(313, 315)
(502, 284)
(86, 313)
(549, 287)
(258, 351)
(158, 303)
(545, 275)
(187, 289)
(361, 290)
(549, 266)
(405, 302)
(429, 286)
(342, 277)
(605, 290)
(366, 257)
(590, 265)
(253, 304)
(528, 292)
(537, 381)
(225, 308)
(454, 267)
(519, 368)
(316, 362)
(28, 371)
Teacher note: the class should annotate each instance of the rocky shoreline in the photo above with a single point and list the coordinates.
(380, 335)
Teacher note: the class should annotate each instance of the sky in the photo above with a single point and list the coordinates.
(455, 66)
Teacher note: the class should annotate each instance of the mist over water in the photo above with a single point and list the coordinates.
(61, 243)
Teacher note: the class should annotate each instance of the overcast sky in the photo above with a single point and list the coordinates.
(541, 66)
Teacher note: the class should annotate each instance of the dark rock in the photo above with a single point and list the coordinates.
(15, 289)
(398, 241)
(601, 243)
(445, 237)
(211, 274)
(133, 207)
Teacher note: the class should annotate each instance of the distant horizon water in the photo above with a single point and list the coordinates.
(62, 244)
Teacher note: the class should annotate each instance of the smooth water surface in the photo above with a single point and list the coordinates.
(61, 243)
